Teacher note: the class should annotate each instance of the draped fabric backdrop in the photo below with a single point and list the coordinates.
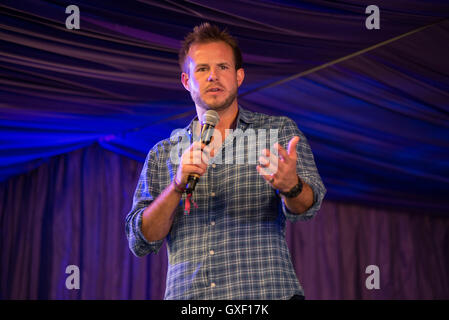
(377, 122)
(82, 107)
(71, 210)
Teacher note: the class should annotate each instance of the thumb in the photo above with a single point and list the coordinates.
(291, 149)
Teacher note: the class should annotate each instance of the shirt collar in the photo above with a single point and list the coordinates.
(245, 116)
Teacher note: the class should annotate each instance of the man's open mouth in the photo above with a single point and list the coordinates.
(214, 90)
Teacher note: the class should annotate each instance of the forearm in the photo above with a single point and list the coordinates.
(302, 202)
(157, 218)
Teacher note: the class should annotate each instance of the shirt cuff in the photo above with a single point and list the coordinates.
(141, 246)
(310, 213)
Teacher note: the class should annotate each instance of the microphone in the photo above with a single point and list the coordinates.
(208, 122)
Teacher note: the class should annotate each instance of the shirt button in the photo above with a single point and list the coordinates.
(212, 252)
(212, 194)
(212, 285)
(212, 223)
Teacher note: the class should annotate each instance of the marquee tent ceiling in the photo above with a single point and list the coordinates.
(377, 119)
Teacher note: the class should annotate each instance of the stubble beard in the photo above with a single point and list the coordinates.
(217, 106)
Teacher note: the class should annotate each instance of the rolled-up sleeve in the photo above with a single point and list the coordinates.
(146, 191)
(306, 169)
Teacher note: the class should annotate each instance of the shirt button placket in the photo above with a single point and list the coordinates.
(212, 238)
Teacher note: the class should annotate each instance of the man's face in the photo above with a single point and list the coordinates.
(210, 75)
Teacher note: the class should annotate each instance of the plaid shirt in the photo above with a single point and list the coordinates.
(233, 245)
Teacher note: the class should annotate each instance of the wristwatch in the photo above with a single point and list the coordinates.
(293, 191)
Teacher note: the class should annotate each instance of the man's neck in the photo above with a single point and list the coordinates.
(228, 118)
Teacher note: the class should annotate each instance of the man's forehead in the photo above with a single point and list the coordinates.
(215, 52)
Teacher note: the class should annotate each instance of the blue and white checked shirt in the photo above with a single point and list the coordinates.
(233, 245)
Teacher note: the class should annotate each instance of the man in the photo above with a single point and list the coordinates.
(232, 244)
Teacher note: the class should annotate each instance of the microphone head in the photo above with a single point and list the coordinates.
(210, 117)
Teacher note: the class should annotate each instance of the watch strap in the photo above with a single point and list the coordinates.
(295, 191)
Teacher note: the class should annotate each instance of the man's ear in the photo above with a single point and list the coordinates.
(185, 80)
(240, 76)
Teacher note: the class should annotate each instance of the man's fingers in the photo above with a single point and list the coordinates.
(197, 153)
(208, 151)
(196, 157)
(269, 161)
(270, 164)
(270, 155)
(290, 153)
(199, 169)
(281, 151)
(264, 173)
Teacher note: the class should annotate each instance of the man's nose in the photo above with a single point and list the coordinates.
(212, 75)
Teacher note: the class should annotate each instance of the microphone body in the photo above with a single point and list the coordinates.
(208, 123)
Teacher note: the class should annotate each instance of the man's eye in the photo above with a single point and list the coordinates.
(201, 69)
(224, 67)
